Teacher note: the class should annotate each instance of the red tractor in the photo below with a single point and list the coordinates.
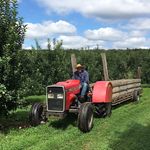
(64, 97)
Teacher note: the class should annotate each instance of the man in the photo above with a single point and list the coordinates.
(82, 75)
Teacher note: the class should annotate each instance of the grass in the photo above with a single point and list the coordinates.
(146, 85)
(35, 98)
(127, 129)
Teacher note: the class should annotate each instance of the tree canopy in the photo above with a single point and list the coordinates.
(12, 33)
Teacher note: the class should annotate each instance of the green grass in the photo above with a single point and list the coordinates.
(146, 85)
(35, 98)
(127, 129)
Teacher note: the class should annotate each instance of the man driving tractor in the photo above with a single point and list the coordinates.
(82, 75)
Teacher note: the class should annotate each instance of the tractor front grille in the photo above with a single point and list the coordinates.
(55, 99)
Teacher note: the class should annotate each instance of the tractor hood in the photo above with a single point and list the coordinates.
(71, 85)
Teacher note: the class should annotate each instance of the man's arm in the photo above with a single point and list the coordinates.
(86, 76)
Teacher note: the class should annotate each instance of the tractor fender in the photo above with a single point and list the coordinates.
(102, 92)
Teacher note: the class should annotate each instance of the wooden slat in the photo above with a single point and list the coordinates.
(139, 72)
(116, 95)
(116, 83)
(73, 62)
(126, 87)
(105, 68)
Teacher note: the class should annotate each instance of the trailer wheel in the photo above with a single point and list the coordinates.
(36, 114)
(104, 110)
(136, 96)
(85, 117)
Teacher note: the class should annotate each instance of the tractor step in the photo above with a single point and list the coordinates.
(73, 110)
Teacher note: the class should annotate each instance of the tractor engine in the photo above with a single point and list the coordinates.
(60, 96)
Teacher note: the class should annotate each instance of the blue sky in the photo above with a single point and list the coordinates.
(87, 23)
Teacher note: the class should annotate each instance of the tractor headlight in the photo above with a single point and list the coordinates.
(50, 96)
(60, 96)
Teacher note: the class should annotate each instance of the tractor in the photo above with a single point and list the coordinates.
(63, 98)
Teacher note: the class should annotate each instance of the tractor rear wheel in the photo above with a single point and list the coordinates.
(108, 109)
(103, 110)
(85, 117)
(36, 114)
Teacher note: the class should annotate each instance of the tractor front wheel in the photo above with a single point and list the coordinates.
(85, 117)
(36, 115)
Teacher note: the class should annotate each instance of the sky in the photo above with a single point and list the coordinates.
(117, 24)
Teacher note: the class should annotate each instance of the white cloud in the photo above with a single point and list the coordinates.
(70, 42)
(132, 31)
(133, 35)
(133, 42)
(104, 38)
(106, 9)
(79, 41)
(136, 33)
(105, 34)
(48, 28)
(139, 24)
(116, 38)
(26, 47)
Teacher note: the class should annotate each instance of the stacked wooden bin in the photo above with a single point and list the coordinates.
(125, 89)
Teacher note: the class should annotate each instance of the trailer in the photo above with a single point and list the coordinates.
(124, 90)
(110, 93)
(63, 98)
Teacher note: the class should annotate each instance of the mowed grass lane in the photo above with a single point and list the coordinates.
(127, 129)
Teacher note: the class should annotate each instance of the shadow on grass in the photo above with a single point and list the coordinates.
(136, 138)
(70, 119)
(17, 120)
